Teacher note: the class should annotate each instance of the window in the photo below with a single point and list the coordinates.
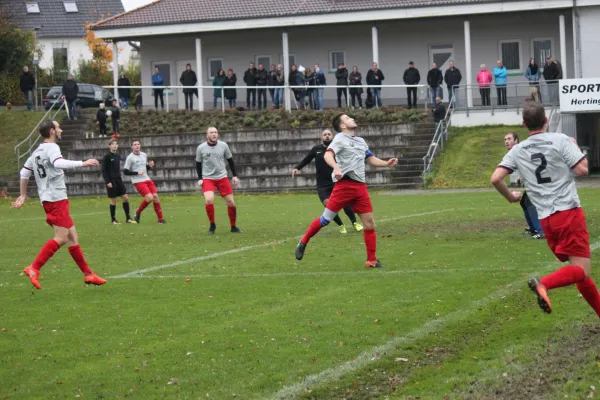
(335, 58)
(291, 60)
(264, 60)
(510, 54)
(70, 6)
(86, 89)
(60, 57)
(214, 64)
(541, 49)
(33, 8)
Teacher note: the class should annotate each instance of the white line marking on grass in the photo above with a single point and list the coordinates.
(369, 356)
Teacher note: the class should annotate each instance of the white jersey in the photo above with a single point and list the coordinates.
(137, 163)
(50, 180)
(213, 159)
(546, 162)
(350, 154)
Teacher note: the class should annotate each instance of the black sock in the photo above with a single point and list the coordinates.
(126, 209)
(338, 220)
(112, 212)
(350, 213)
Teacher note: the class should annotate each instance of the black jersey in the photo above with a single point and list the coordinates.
(111, 167)
(324, 171)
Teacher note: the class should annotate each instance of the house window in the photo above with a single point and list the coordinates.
(70, 6)
(60, 56)
(335, 58)
(33, 8)
(510, 54)
(264, 60)
(542, 48)
(214, 65)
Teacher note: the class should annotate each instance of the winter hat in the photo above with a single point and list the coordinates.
(230, 70)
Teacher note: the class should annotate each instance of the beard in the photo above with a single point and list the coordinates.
(327, 142)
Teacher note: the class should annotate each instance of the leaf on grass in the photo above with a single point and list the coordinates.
(401, 359)
(188, 280)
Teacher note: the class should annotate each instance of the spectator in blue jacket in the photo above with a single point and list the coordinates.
(500, 76)
(533, 75)
(158, 80)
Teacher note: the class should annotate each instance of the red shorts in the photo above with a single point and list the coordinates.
(567, 234)
(57, 213)
(146, 187)
(223, 185)
(350, 193)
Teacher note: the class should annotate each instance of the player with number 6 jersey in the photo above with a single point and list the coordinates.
(548, 163)
(47, 165)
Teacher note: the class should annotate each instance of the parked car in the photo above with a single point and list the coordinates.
(90, 96)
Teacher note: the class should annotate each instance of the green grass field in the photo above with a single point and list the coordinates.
(187, 316)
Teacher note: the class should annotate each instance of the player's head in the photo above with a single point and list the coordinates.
(113, 145)
(343, 123)
(510, 140)
(534, 116)
(212, 135)
(136, 146)
(326, 137)
(50, 129)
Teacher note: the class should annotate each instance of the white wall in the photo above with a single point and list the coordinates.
(399, 42)
(589, 23)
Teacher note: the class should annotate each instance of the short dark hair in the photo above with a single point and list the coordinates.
(113, 140)
(337, 122)
(46, 127)
(534, 116)
(514, 136)
(135, 140)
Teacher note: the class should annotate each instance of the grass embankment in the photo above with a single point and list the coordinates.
(470, 157)
(14, 127)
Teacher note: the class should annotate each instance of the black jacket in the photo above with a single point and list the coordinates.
(371, 77)
(229, 82)
(272, 78)
(70, 89)
(188, 78)
(124, 91)
(434, 78)
(111, 167)
(411, 76)
(101, 115)
(116, 113)
(261, 77)
(324, 171)
(452, 77)
(355, 80)
(342, 76)
(551, 71)
(439, 113)
(250, 77)
(27, 81)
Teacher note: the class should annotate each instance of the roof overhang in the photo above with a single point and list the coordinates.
(503, 6)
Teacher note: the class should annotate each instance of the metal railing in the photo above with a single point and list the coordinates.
(439, 139)
(554, 119)
(24, 148)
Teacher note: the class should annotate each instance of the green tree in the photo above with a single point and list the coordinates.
(16, 48)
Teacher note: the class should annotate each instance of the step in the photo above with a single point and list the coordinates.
(396, 173)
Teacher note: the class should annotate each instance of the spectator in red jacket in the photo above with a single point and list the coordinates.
(484, 78)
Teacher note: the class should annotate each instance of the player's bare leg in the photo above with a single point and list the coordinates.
(125, 200)
(232, 212)
(370, 238)
(209, 205)
(77, 254)
(61, 236)
(158, 209)
(148, 198)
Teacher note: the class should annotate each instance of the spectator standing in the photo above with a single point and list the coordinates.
(218, 83)
(533, 75)
(250, 80)
(279, 81)
(320, 81)
(341, 76)
(439, 112)
(101, 118)
(296, 78)
(356, 92)
(310, 82)
(115, 118)
(27, 84)
(452, 77)
(484, 79)
(434, 80)
(158, 80)
(230, 94)
(262, 77)
(188, 78)
(551, 76)
(124, 91)
(411, 77)
(500, 74)
(272, 81)
(374, 78)
(70, 91)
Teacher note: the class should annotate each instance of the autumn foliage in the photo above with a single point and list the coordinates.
(102, 54)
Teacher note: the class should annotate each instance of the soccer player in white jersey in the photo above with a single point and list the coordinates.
(137, 166)
(212, 174)
(548, 163)
(346, 155)
(47, 164)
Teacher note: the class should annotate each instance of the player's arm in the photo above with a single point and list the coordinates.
(378, 162)
(199, 165)
(106, 169)
(575, 157)
(581, 168)
(305, 161)
(25, 173)
(498, 181)
(234, 179)
(127, 167)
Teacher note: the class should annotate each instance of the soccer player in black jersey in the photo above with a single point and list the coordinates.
(111, 172)
(324, 179)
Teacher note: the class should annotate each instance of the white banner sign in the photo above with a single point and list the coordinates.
(579, 95)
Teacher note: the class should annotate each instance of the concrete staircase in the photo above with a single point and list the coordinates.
(264, 159)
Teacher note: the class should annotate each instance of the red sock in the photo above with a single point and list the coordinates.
(47, 251)
(371, 244)
(232, 212)
(142, 207)
(312, 230)
(563, 277)
(77, 255)
(158, 211)
(210, 211)
(589, 291)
